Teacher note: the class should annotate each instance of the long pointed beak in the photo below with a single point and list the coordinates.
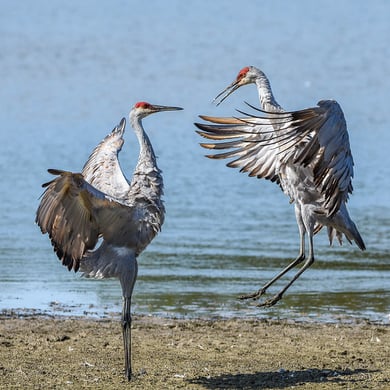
(226, 92)
(165, 108)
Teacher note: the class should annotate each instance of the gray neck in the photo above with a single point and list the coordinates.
(146, 158)
(267, 99)
(147, 177)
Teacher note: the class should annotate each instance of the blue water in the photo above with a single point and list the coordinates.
(70, 71)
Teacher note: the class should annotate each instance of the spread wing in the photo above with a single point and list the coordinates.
(102, 170)
(318, 138)
(315, 137)
(252, 150)
(75, 215)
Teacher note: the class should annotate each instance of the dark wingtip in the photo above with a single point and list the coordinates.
(120, 127)
(55, 172)
(361, 244)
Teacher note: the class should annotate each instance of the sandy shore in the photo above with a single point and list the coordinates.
(57, 353)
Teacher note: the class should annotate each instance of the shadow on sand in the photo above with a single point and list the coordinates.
(279, 379)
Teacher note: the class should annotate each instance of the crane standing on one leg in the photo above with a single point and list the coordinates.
(77, 209)
(306, 152)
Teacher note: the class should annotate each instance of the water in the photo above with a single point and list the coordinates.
(71, 70)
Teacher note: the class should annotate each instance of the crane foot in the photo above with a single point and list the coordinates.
(255, 295)
(271, 302)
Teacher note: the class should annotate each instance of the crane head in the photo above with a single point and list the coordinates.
(245, 76)
(143, 109)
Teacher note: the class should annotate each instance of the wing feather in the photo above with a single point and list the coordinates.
(332, 162)
(251, 148)
(315, 137)
(102, 170)
(71, 213)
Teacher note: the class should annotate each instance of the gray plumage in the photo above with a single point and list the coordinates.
(306, 152)
(77, 209)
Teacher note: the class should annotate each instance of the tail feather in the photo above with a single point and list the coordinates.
(341, 223)
(352, 234)
(107, 261)
(357, 238)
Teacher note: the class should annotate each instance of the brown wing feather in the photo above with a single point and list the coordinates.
(220, 120)
(66, 213)
(75, 214)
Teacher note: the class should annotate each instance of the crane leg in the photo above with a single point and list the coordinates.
(262, 290)
(298, 260)
(310, 260)
(126, 328)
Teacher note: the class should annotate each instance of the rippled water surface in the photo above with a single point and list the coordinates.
(70, 73)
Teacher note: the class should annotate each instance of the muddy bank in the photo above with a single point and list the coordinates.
(43, 352)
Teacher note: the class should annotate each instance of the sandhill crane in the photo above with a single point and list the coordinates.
(77, 209)
(306, 152)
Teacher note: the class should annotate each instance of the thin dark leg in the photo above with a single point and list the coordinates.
(298, 260)
(261, 291)
(126, 328)
(276, 298)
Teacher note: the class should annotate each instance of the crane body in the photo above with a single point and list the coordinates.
(306, 152)
(78, 209)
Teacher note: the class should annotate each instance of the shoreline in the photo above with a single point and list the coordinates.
(63, 312)
(80, 352)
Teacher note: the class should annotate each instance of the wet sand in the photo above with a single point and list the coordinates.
(57, 353)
